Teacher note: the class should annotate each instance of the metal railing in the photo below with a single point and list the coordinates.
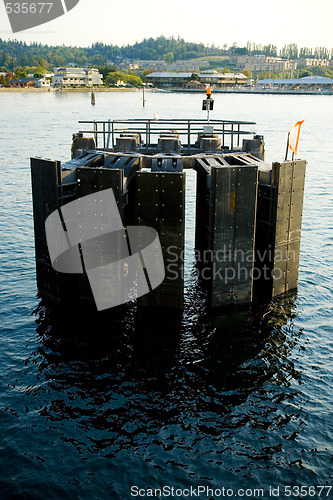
(107, 130)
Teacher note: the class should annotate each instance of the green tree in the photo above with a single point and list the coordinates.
(305, 52)
(20, 74)
(289, 51)
(113, 78)
(321, 53)
(105, 70)
(247, 73)
(145, 73)
(133, 80)
(30, 69)
(42, 63)
(39, 71)
(169, 57)
(322, 71)
(270, 50)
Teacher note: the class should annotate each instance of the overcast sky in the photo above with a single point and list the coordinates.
(305, 22)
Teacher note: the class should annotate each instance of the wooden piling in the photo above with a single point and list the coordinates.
(225, 227)
(160, 204)
(45, 175)
(278, 232)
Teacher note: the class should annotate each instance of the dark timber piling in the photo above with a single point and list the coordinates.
(160, 203)
(225, 227)
(278, 232)
(46, 177)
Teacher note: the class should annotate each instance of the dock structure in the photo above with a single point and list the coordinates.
(248, 213)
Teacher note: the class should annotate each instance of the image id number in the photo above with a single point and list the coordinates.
(307, 491)
(28, 8)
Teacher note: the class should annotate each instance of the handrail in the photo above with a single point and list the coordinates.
(152, 127)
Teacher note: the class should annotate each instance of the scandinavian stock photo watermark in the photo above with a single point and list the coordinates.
(87, 235)
(203, 491)
(229, 264)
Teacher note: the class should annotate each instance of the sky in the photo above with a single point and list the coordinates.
(308, 23)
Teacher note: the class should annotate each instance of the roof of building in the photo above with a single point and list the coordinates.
(168, 74)
(232, 75)
(306, 80)
(74, 69)
(25, 79)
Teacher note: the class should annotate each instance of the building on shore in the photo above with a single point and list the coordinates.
(158, 65)
(307, 83)
(28, 82)
(268, 63)
(311, 61)
(208, 77)
(76, 77)
(194, 84)
(262, 63)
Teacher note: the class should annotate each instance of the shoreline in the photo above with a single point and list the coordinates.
(252, 91)
(170, 90)
(52, 90)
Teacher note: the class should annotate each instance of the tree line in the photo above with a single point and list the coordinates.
(290, 51)
(14, 53)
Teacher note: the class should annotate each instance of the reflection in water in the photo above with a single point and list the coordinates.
(163, 385)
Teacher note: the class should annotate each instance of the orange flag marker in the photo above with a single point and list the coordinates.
(294, 137)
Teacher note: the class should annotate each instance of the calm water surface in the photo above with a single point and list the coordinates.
(92, 405)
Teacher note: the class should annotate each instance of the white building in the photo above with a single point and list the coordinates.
(262, 63)
(43, 82)
(211, 77)
(313, 83)
(156, 65)
(311, 61)
(29, 82)
(76, 77)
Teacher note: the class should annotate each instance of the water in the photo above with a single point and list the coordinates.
(92, 406)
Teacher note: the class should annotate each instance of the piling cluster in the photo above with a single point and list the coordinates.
(248, 213)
